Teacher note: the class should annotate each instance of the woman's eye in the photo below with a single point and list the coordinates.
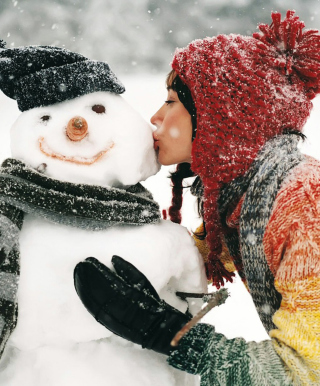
(45, 118)
(168, 102)
(99, 109)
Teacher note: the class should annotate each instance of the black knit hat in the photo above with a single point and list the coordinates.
(42, 75)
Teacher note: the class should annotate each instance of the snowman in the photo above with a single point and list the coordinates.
(71, 190)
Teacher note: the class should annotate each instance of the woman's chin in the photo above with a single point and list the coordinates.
(171, 159)
(164, 161)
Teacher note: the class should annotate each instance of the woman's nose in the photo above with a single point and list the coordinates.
(156, 119)
(153, 119)
(77, 128)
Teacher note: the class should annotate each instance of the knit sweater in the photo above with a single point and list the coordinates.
(291, 245)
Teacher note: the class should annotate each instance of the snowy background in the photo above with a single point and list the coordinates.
(137, 38)
(137, 35)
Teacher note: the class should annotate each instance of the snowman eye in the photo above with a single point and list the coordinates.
(45, 118)
(99, 109)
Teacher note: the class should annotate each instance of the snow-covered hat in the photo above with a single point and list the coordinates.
(42, 75)
(246, 89)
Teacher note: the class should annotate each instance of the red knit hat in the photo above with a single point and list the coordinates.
(246, 90)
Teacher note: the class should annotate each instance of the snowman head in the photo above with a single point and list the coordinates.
(74, 124)
(96, 138)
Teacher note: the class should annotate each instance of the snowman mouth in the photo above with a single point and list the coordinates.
(46, 150)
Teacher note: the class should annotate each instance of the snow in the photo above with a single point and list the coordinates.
(62, 332)
(174, 133)
(54, 326)
(111, 361)
(178, 266)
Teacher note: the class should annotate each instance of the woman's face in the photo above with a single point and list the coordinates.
(173, 136)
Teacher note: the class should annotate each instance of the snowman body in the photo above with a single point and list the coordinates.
(56, 341)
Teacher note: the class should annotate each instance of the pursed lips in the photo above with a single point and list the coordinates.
(155, 143)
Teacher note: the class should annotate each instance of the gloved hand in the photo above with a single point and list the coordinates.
(126, 303)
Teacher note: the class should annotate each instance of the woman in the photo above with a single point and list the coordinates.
(235, 111)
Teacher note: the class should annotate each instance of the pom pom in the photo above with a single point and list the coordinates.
(297, 51)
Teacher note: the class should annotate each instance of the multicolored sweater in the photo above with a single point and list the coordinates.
(286, 290)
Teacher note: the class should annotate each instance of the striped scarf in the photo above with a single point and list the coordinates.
(25, 190)
(260, 185)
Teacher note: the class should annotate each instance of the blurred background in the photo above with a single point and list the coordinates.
(138, 38)
(137, 35)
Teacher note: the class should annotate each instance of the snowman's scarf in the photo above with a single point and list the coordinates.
(25, 190)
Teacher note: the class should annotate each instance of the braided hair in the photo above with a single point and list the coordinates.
(183, 170)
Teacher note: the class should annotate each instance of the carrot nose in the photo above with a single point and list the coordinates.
(77, 128)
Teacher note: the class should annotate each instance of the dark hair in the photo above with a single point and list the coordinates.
(170, 78)
(183, 171)
(296, 132)
(175, 83)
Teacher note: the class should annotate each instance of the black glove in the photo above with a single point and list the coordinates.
(126, 303)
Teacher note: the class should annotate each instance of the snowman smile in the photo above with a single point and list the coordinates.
(46, 150)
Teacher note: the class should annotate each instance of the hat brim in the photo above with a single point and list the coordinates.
(58, 84)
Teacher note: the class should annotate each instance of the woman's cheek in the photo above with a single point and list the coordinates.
(174, 133)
